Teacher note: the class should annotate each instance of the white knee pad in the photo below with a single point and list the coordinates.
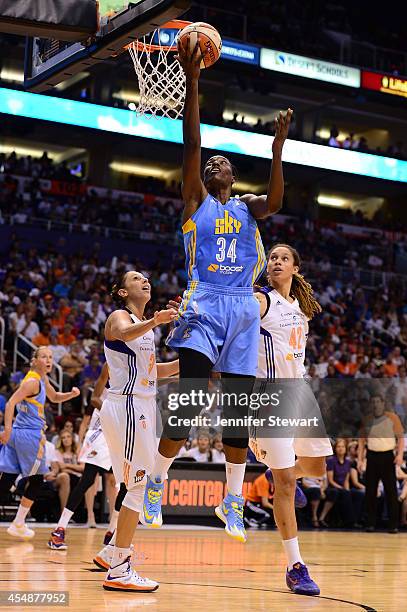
(134, 497)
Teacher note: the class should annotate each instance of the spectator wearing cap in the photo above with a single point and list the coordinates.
(382, 433)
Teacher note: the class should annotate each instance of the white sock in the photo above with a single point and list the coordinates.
(292, 552)
(235, 477)
(21, 514)
(119, 556)
(161, 467)
(65, 518)
(113, 521)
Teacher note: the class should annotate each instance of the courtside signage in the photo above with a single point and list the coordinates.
(248, 54)
(120, 121)
(385, 83)
(310, 68)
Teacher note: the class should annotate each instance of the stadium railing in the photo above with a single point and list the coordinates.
(21, 342)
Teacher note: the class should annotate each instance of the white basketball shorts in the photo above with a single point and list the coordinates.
(129, 426)
(95, 450)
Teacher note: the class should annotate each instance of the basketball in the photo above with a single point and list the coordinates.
(209, 39)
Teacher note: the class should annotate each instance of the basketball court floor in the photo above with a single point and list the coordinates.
(202, 569)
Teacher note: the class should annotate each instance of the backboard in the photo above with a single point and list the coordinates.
(49, 62)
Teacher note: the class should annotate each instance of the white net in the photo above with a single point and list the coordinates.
(160, 77)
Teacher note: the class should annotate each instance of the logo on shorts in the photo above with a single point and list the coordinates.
(263, 454)
(143, 421)
(213, 267)
(187, 333)
(92, 454)
(139, 475)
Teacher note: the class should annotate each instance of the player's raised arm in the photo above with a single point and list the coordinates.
(121, 326)
(266, 205)
(193, 189)
(58, 397)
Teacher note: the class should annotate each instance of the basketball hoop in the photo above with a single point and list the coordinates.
(160, 77)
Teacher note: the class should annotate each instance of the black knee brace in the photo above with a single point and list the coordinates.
(33, 486)
(120, 497)
(236, 442)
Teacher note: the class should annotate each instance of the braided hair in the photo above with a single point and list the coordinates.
(300, 288)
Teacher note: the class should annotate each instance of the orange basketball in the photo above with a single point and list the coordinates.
(209, 39)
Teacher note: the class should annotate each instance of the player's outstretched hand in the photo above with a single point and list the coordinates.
(190, 60)
(165, 316)
(75, 392)
(281, 126)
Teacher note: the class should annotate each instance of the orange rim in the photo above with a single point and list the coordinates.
(175, 24)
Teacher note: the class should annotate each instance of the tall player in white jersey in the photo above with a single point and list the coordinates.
(286, 306)
(128, 415)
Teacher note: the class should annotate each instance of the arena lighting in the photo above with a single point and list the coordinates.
(141, 170)
(331, 201)
(14, 76)
(120, 121)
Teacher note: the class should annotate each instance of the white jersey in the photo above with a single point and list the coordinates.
(283, 336)
(94, 448)
(132, 366)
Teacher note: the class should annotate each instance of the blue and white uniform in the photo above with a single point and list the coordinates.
(128, 414)
(219, 315)
(281, 349)
(25, 451)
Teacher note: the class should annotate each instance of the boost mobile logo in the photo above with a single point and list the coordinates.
(224, 269)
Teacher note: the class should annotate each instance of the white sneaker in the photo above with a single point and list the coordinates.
(124, 578)
(20, 530)
(104, 557)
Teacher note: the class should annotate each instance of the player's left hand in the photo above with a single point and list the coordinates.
(281, 126)
(398, 460)
(75, 392)
(175, 304)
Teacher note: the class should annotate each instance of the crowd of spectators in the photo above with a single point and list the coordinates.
(307, 29)
(63, 301)
(355, 143)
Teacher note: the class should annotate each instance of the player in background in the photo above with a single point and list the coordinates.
(95, 455)
(288, 298)
(218, 326)
(23, 450)
(128, 417)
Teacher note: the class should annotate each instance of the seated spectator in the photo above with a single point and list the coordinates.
(217, 452)
(58, 350)
(258, 507)
(56, 478)
(66, 454)
(201, 452)
(66, 337)
(333, 138)
(91, 372)
(73, 363)
(314, 489)
(67, 425)
(44, 337)
(338, 489)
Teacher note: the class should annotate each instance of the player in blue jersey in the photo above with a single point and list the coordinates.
(24, 440)
(218, 326)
